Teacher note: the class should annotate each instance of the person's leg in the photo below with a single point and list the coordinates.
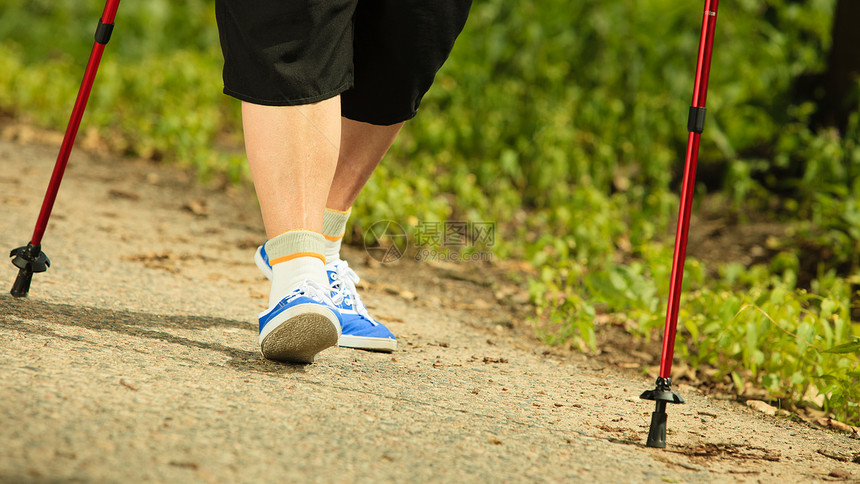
(362, 146)
(292, 153)
(289, 62)
(398, 47)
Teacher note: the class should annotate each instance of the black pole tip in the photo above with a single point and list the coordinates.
(21, 286)
(657, 431)
(29, 260)
(661, 394)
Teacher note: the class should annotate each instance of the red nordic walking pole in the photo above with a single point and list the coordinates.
(31, 259)
(663, 393)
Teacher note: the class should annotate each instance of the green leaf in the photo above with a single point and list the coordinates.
(738, 381)
(851, 347)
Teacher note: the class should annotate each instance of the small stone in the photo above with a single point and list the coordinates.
(197, 207)
(762, 407)
(839, 474)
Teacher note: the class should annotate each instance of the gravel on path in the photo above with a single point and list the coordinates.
(134, 359)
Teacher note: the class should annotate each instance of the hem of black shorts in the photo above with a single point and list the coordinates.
(286, 102)
(380, 121)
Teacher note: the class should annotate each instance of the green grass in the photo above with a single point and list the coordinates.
(565, 124)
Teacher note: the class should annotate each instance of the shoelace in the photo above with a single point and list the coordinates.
(343, 284)
(316, 292)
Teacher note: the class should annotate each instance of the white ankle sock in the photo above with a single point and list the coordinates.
(334, 228)
(296, 256)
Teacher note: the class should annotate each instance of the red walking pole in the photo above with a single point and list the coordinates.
(31, 259)
(663, 393)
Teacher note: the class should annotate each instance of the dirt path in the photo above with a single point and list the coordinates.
(134, 360)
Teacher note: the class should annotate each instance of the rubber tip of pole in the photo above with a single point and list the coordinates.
(21, 287)
(29, 260)
(657, 432)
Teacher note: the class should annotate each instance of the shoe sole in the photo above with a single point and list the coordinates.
(297, 338)
(385, 345)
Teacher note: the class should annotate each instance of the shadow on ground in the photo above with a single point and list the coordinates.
(38, 317)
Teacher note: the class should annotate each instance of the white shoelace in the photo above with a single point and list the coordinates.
(343, 284)
(316, 292)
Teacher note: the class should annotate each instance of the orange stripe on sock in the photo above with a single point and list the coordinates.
(297, 255)
(343, 212)
(334, 238)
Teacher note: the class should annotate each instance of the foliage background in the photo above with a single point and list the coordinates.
(565, 123)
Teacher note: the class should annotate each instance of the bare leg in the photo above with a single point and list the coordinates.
(362, 147)
(292, 152)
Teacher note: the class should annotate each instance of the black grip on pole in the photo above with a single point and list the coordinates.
(696, 120)
(103, 32)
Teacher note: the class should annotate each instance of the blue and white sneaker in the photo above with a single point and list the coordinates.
(359, 330)
(303, 323)
(261, 258)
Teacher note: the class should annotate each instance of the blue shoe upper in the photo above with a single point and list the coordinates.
(266, 268)
(293, 299)
(355, 321)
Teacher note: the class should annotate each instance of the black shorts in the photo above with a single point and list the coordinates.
(380, 55)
